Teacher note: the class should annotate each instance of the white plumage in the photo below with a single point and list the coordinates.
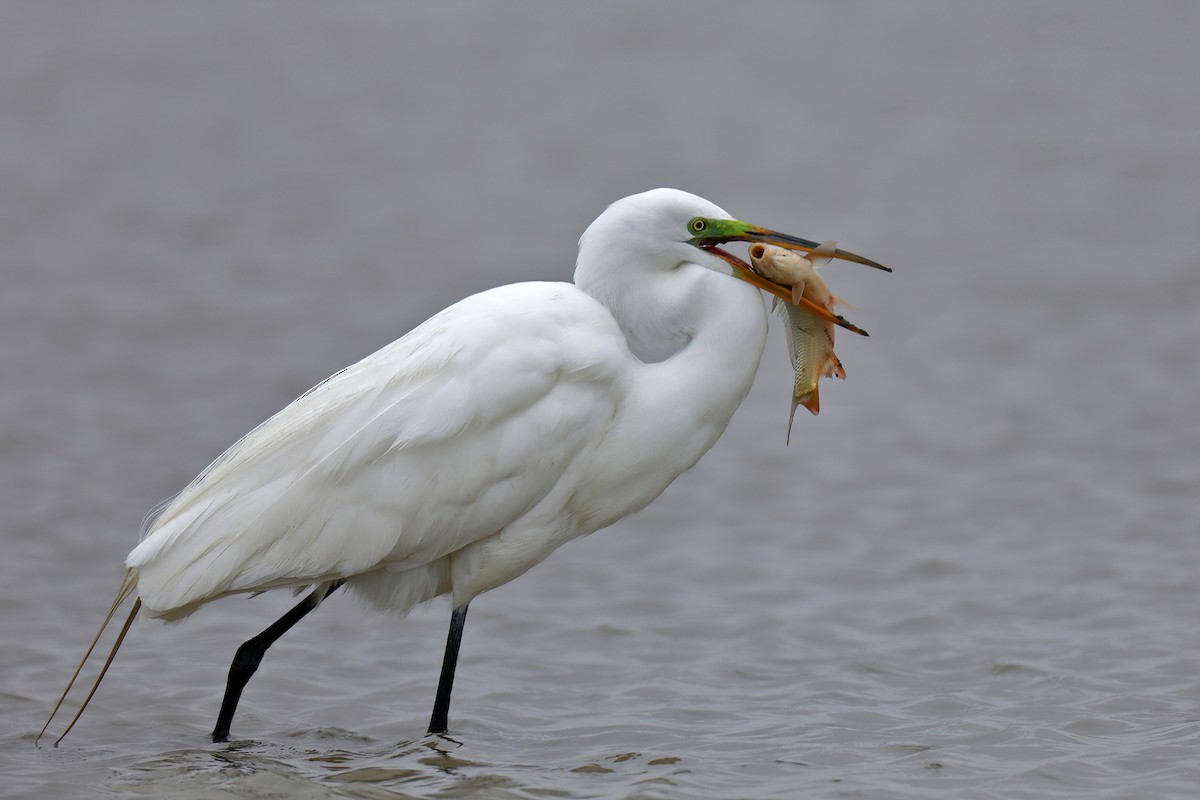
(456, 458)
(459, 456)
(438, 440)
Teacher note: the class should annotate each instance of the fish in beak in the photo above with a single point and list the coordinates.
(708, 234)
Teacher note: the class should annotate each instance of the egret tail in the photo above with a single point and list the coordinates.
(128, 583)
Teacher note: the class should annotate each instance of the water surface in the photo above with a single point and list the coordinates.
(973, 576)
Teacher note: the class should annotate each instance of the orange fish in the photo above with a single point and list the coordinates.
(809, 337)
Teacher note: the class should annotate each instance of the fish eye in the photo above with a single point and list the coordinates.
(697, 225)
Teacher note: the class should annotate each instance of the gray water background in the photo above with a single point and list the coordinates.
(974, 575)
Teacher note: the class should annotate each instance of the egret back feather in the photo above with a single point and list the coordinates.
(435, 441)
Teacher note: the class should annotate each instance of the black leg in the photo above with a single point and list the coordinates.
(250, 654)
(441, 704)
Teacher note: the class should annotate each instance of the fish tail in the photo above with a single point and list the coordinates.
(810, 400)
(128, 584)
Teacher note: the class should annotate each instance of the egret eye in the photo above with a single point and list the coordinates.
(697, 225)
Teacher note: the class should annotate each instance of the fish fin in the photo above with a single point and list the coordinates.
(797, 292)
(791, 419)
(128, 583)
(833, 367)
(823, 254)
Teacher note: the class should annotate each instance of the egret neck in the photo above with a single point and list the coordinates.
(714, 327)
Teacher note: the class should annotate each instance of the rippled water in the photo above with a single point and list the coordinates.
(974, 575)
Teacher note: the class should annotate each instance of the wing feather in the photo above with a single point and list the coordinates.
(439, 439)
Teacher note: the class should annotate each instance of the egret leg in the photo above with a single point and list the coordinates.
(250, 655)
(441, 704)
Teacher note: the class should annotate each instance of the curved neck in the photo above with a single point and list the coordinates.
(676, 409)
(695, 391)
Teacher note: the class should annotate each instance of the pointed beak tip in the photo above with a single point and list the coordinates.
(857, 259)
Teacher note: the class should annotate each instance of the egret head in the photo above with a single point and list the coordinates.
(706, 233)
(647, 230)
(661, 229)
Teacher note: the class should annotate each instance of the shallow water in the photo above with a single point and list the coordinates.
(974, 575)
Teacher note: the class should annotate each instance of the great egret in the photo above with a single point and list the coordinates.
(456, 458)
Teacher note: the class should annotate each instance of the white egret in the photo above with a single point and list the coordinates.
(456, 458)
